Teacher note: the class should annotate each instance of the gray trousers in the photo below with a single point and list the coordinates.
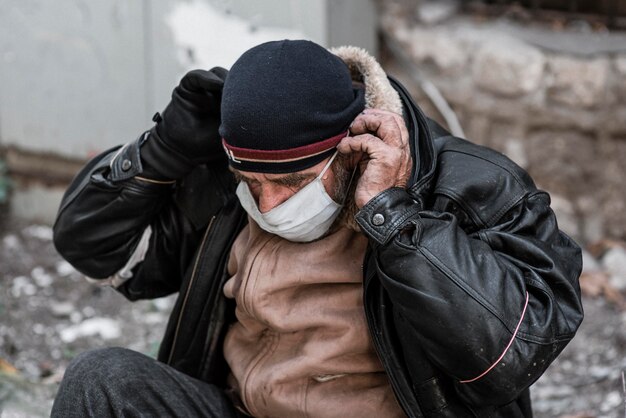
(116, 382)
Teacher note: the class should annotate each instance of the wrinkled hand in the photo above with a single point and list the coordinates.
(380, 140)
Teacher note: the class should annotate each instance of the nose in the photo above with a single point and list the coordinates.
(271, 196)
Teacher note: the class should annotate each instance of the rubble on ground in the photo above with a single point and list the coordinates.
(50, 314)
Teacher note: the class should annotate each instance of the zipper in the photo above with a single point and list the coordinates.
(188, 291)
(246, 389)
(248, 287)
(378, 345)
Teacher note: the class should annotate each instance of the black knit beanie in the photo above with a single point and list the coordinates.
(285, 107)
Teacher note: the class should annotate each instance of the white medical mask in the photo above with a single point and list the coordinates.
(304, 217)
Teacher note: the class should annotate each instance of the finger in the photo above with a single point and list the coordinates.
(365, 143)
(399, 120)
(403, 128)
(371, 148)
(373, 122)
(384, 126)
(404, 132)
(397, 117)
(404, 160)
(381, 112)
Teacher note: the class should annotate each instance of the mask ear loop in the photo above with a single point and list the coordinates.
(351, 177)
(328, 164)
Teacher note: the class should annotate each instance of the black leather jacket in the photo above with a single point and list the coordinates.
(470, 288)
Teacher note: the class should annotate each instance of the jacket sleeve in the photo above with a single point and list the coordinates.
(115, 225)
(491, 308)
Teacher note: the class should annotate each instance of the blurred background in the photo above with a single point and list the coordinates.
(543, 81)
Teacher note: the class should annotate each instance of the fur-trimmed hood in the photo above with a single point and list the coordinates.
(364, 68)
(379, 94)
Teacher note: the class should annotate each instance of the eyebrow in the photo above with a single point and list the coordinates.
(289, 180)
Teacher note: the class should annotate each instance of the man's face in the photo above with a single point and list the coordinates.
(270, 190)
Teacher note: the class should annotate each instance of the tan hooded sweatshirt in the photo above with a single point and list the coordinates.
(300, 346)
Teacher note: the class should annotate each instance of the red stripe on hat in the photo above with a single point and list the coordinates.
(278, 156)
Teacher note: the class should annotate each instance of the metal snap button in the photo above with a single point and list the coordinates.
(378, 219)
(126, 165)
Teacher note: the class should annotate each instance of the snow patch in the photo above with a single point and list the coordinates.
(614, 261)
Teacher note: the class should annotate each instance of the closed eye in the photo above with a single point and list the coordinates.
(252, 184)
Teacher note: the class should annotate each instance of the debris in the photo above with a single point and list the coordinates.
(22, 397)
(624, 391)
(61, 309)
(11, 242)
(578, 383)
(597, 284)
(88, 311)
(614, 262)
(106, 328)
(7, 368)
(22, 286)
(163, 304)
(41, 232)
(598, 248)
(611, 401)
(433, 12)
(604, 271)
(76, 317)
(40, 276)
(590, 264)
(64, 268)
(41, 297)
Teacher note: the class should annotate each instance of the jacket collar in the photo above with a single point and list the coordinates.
(387, 93)
(422, 145)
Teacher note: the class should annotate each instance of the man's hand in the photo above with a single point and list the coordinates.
(186, 133)
(191, 120)
(381, 141)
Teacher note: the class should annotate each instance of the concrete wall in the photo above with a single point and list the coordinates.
(73, 74)
(78, 76)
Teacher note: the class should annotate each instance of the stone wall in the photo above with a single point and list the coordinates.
(558, 113)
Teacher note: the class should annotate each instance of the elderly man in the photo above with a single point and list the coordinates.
(336, 253)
